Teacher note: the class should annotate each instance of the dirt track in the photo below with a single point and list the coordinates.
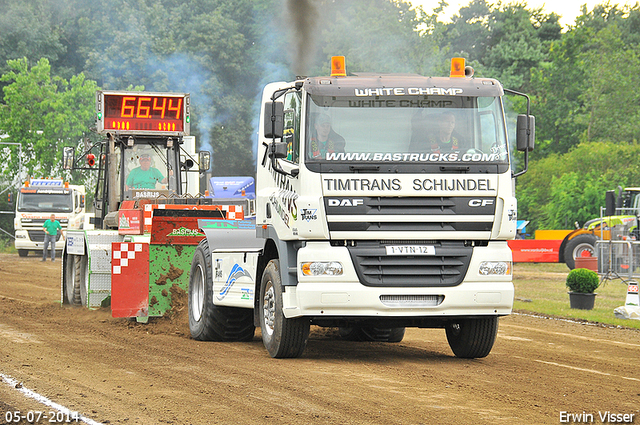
(117, 371)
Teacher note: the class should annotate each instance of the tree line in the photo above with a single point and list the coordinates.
(582, 78)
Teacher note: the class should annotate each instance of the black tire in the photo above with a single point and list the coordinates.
(396, 335)
(472, 338)
(23, 252)
(282, 337)
(73, 278)
(208, 322)
(81, 295)
(576, 246)
(371, 333)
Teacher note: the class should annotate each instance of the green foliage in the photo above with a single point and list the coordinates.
(583, 89)
(582, 280)
(565, 188)
(28, 29)
(42, 113)
(608, 93)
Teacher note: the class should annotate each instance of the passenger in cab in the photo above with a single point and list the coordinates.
(443, 140)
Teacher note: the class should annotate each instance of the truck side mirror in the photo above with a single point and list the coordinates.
(526, 133)
(68, 157)
(273, 120)
(278, 150)
(204, 161)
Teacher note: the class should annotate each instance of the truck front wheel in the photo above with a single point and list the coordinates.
(472, 338)
(282, 337)
(207, 321)
(576, 247)
(23, 252)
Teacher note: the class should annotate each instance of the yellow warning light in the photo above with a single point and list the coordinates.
(66, 185)
(457, 67)
(338, 67)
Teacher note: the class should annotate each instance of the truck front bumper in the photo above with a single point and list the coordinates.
(354, 299)
(345, 295)
(23, 242)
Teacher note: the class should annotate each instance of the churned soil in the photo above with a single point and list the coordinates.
(114, 370)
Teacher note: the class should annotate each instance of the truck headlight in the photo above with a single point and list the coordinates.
(321, 268)
(20, 236)
(495, 268)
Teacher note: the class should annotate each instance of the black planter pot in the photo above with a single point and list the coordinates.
(581, 300)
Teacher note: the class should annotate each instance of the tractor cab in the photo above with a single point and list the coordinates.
(141, 152)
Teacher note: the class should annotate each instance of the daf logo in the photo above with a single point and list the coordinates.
(480, 202)
(346, 202)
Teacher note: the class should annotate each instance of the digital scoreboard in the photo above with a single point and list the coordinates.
(143, 113)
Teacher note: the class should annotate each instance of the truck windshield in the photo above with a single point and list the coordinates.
(428, 129)
(149, 166)
(58, 202)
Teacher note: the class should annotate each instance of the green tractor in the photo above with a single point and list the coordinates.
(619, 222)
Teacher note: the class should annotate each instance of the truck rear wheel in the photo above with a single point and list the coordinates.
(577, 246)
(282, 337)
(73, 279)
(82, 273)
(371, 333)
(472, 338)
(208, 322)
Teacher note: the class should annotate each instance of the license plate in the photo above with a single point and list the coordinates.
(411, 250)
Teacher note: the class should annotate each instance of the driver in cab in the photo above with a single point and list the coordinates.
(323, 139)
(145, 176)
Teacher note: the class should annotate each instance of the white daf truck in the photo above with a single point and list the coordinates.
(383, 202)
(37, 200)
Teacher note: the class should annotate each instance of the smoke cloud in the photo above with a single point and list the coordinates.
(304, 16)
(182, 72)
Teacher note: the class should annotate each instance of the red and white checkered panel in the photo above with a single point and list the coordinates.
(233, 212)
(126, 252)
(147, 216)
(129, 279)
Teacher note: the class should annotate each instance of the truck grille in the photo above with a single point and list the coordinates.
(38, 236)
(416, 301)
(403, 226)
(429, 215)
(446, 268)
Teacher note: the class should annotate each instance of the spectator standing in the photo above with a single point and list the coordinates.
(51, 228)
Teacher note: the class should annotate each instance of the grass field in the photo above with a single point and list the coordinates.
(540, 289)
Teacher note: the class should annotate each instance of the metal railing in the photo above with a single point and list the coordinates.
(618, 259)
(619, 252)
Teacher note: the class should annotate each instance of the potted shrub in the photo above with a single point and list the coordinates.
(582, 283)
